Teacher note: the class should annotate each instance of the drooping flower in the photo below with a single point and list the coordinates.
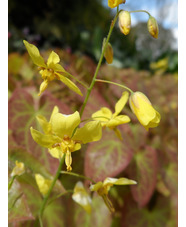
(112, 120)
(144, 111)
(50, 70)
(43, 184)
(152, 27)
(124, 22)
(102, 188)
(115, 3)
(62, 139)
(81, 197)
(19, 169)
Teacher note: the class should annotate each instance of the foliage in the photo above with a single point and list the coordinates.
(150, 158)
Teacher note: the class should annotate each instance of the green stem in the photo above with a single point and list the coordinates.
(140, 11)
(98, 66)
(58, 196)
(78, 175)
(50, 189)
(84, 85)
(119, 85)
(11, 182)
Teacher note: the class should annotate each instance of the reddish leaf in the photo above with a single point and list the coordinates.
(143, 169)
(107, 157)
(22, 111)
(18, 207)
(158, 215)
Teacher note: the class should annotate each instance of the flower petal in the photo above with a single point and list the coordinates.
(91, 131)
(34, 54)
(118, 120)
(53, 59)
(81, 197)
(56, 152)
(43, 87)
(54, 111)
(121, 181)
(97, 186)
(65, 124)
(121, 103)
(104, 114)
(44, 140)
(69, 84)
(47, 128)
(57, 68)
(43, 184)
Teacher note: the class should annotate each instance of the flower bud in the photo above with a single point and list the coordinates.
(19, 169)
(114, 3)
(152, 26)
(124, 22)
(144, 111)
(108, 52)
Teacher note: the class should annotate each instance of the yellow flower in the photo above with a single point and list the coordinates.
(152, 26)
(43, 184)
(51, 70)
(81, 197)
(19, 169)
(124, 22)
(144, 111)
(102, 188)
(62, 139)
(107, 119)
(114, 3)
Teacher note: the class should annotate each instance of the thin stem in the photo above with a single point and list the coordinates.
(78, 175)
(119, 85)
(84, 85)
(98, 66)
(140, 11)
(58, 196)
(11, 182)
(50, 189)
(19, 196)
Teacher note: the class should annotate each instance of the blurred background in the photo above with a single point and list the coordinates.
(75, 31)
(82, 26)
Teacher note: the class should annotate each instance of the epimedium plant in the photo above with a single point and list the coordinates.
(64, 134)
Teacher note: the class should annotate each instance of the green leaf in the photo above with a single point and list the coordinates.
(107, 157)
(143, 169)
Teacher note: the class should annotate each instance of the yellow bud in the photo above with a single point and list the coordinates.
(43, 87)
(108, 52)
(124, 22)
(19, 169)
(152, 26)
(114, 3)
(144, 111)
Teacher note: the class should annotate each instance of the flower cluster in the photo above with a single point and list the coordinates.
(62, 135)
(50, 70)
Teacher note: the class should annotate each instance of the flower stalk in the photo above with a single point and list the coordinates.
(50, 190)
(98, 65)
(119, 85)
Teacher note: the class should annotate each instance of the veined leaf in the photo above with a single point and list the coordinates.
(107, 157)
(143, 169)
